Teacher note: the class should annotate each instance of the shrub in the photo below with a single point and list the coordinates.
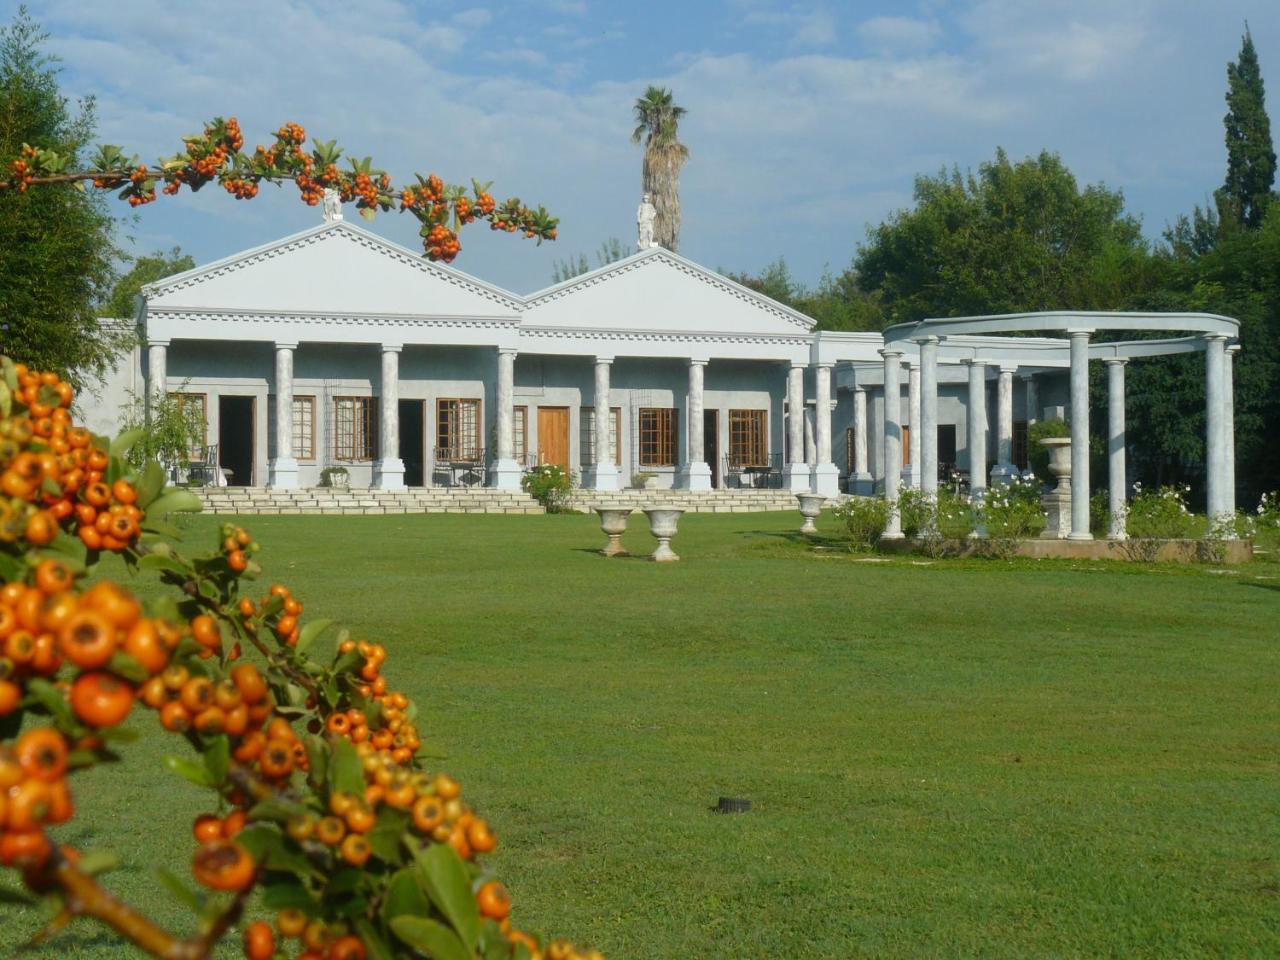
(171, 434)
(550, 485)
(1037, 455)
(1100, 513)
(865, 518)
(333, 477)
(1159, 514)
(1012, 510)
(1268, 512)
(954, 515)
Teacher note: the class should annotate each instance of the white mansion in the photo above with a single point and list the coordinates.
(336, 348)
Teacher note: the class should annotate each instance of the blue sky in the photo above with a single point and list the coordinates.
(807, 121)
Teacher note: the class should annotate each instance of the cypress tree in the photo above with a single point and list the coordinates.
(1251, 160)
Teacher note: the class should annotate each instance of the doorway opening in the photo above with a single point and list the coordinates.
(711, 444)
(236, 439)
(413, 441)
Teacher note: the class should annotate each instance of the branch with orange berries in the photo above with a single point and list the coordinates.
(218, 154)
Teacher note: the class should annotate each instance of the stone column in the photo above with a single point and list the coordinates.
(1032, 389)
(604, 472)
(283, 470)
(929, 417)
(1004, 470)
(1079, 435)
(797, 471)
(1215, 425)
(1229, 426)
(505, 472)
(1117, 485)
(976, 416)
(892, 439)
(911, 473)
(388, 469)
(157, 370)
(826, 477)
(860, 483)
(696, 474)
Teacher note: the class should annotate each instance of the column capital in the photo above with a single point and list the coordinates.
(699, 361)
(600, 360)
(890, 352)
(1115, 361)
(156, 342)
(1216, 336)
(975, 362)
(392, 347)
(1010, 369)
(798, 364)
(511, 350)
(1234, 348)
(823, 365)
(859, 388)
(286, 345)
(909, 362)
(1077, 332)
(1026, 377)
(927, 341)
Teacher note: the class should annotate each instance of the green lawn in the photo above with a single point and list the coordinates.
(951, 759)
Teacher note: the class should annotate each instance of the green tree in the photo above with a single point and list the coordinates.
(1014, 237)
(1251, 159)
(658, 125)
(120, 303)
(610, 251)
(836, 303)
(56, 249)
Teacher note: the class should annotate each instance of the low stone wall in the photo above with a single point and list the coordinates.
(703, 501)
(333, 500)
(1149, 551)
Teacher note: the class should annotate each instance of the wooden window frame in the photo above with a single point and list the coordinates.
(445, 426)
(369, 406)
(520, 434)
(659, 440)
(749, 445)
(309, 400)
(587, 435)
(905, 440)
(182, 398)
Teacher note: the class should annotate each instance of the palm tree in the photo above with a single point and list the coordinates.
(657, 123)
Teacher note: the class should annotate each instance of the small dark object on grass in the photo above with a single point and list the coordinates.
(732, 805)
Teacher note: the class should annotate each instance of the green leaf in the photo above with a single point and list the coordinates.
(160, 528)
(266, 844)
(123, 665)
(217, 758)
(308, 634)
(374, 942)
(347, 661)
(180, 890)
(445, 879)
(48, 696)
(278, 809)
(317, 760)
(16, 897)
(174, 501)
(122, 444)
(156, 561)
(152, 482)
(288, 892)
(347, 772)
(430, 937)
(345, 880)
(385, 836)
(95, 862)
(189, 770)
(404, 896)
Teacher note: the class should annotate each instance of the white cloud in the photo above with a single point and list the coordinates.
(472, 19)
(803, 26)
(894, 34)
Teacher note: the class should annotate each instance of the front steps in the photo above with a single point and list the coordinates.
(702, 501)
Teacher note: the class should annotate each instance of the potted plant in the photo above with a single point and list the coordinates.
(335, 477)
(644, 480)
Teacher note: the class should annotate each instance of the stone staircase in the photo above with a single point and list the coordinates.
(335, 500)
(703, 501)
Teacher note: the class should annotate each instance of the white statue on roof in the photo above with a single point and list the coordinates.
(645, 217)
(332, 205)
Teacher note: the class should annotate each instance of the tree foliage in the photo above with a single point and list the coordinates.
(56, 248)
(658, 125)
(611, 251)
(1012, 237)
(146, 269)
(836, 303)
(1251, 159)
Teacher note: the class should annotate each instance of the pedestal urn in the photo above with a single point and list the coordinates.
(1057, 502)
(613, 521)
(662, 524)
(810, 507)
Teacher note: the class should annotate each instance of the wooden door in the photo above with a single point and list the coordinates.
(553, 436)
(711, 444)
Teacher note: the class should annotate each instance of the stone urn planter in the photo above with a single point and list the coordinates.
(613, 521)
(810, 507)
(1057, 502)
(662, 524)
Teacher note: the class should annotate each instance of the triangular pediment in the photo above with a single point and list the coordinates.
(335, 269)
(660, 291)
